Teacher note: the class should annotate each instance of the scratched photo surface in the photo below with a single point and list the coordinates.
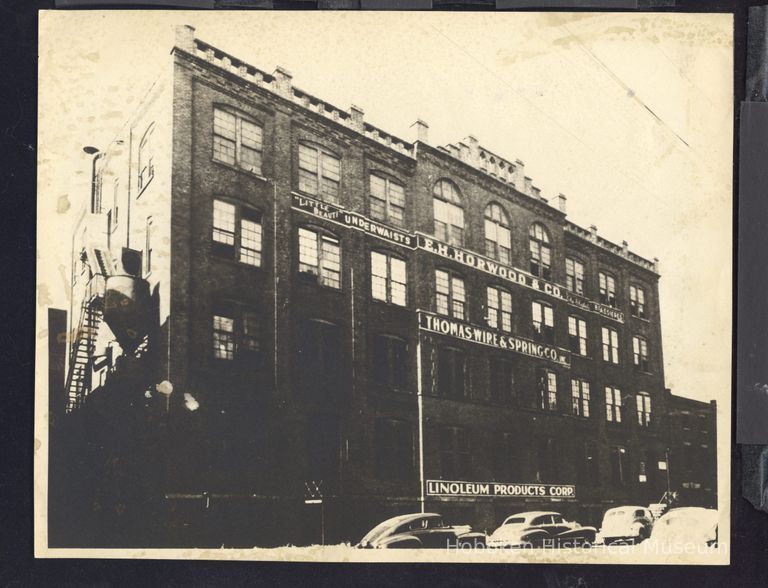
(384, 286)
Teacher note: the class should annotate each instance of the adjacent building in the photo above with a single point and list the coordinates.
(289, 323)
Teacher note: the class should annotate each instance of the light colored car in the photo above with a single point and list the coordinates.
(689, 526)
(625, 524)
(540, 529)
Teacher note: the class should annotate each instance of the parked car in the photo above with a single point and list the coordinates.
(689, 526)
(540, 529)
(625, 524)
(420, 531)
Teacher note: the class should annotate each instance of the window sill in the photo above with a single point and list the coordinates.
(242, 170)
(234, 262)
(390, 304)
(314, 281)
(640, 318)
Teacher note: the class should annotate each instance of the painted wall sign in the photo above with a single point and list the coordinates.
(353, 220)
(499, 489)
(442, 325)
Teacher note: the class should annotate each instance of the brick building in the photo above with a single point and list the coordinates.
(346, 314)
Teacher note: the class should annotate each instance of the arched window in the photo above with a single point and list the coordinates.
(449, 215)
(146, 167)
(320, 256)
(541, 252)
(498, 237)
(319, 172)
(237, 140)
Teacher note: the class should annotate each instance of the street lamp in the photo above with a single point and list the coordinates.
(90, 150)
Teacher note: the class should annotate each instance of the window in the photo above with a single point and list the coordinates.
(506, 458)
(146, 167)
(612, 404)
(541, 253)
(546, 463)
(543, 322)
(637, 301)
(619, 469)
(607, 288)
(450, 296)
(502, 380)
(498, 238)
(577, 335)
(499, 311)
(394, 448)
(319, 172)
(642, 477)
(574, 276)
(387, 200)
(591, 471)
(236, 140)
(643, 400)
(580, 397)
(640, 353)
(115, 203)
(455, 454)
(389, 357)
(244, 244)
(320, 256)
(548, 390)
(148, 247)
(320, 358)
(223, 337)
(610, 345)
(449, 215)
(236, 334)
(451, 373)
(389, 281)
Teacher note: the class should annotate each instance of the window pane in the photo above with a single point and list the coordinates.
(250, 242)
(223, 222)
(308, 254)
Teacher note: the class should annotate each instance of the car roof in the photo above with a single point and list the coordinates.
(533, 513)
(407, 518)
(627, 507)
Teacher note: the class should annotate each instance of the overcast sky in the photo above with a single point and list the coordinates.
(629, 115)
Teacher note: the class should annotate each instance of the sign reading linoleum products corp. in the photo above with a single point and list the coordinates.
(429, 321)
(499, 489)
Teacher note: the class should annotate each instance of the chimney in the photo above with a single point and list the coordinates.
(519, 179)
(356, 115)
(474, 149)
(421, 132)
(185, 38)
(283, 81)
(624, 248)
(593, 230)
(561, 201)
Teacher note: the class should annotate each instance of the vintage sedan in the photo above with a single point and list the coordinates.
(691, 526)
(420, 531)
(625, 524)
(540, 529)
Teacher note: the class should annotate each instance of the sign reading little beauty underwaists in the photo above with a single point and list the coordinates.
(435, 323)
(499, 489)
(353, 220)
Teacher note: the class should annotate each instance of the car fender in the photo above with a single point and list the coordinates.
(587, 533)
(401, 542)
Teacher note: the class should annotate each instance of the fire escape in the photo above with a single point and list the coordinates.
(80, 361)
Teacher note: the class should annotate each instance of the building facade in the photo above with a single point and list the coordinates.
(296, 305)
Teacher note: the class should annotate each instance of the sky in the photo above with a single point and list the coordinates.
(629, 115)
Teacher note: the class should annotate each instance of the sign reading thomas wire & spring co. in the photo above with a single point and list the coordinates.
(499, 489)
(441, 325)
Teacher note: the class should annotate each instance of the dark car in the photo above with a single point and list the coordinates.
(540, 529)
(420, 531)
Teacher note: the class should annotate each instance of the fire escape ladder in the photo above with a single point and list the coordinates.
(78, 378)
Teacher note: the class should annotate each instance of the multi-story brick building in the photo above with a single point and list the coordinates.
(336, 306)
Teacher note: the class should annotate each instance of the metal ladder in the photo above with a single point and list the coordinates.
(78, 378)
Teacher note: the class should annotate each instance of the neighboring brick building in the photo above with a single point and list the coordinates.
(330, 302)
(693, 450)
